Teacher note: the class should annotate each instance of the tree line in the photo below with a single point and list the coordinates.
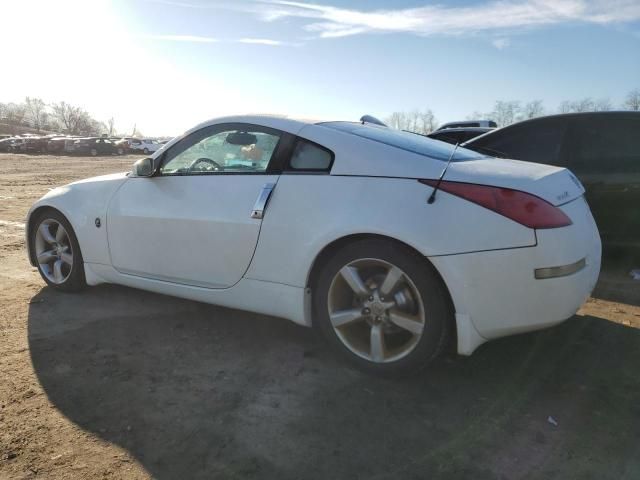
(511, 111)
(59, 117)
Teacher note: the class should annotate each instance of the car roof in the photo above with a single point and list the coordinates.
(551, 117)
(278, 122)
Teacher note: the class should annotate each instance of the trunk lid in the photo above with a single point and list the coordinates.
(556, 185)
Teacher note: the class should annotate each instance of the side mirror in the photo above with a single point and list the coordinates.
(143, 167)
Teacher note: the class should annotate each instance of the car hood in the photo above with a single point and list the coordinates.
(92, 189)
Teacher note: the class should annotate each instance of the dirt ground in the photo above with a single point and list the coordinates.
(119, 383)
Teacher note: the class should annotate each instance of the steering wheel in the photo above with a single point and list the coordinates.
(212, 165)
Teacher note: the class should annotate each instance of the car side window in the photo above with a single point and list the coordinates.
(222, 149)
(606, 144)
(308, 156)
(535, 141)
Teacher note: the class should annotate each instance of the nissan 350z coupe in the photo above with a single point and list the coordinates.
(392, 244)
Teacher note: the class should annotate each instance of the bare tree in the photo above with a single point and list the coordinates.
(36, 113)
(70, 117)
(476, 115)
(15, 113)
(428, 122)
(505, 112)
(565, 106)
(111, 126)
(532, 109)
(602, 105)
(632, 102)
(584, 105)
(417, 121)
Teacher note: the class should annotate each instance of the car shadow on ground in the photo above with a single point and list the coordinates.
(616, 284)
(197, 391)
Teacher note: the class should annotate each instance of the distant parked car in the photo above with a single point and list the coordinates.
(60, 144)
(468, 124)
(601, 148)
(144, 145)
(122, 145)
(5, 136)
(18, 145)
(94, 146)
(459, 134)
(6, 144)
(35, 145)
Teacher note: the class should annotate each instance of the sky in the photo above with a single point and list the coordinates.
(166, 65)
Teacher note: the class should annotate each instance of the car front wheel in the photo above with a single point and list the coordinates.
(383, 306)
(57, 252)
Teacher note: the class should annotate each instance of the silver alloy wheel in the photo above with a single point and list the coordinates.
(53, 251)
(376, 310)
(94, 152)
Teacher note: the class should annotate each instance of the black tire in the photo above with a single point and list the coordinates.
(439, 315)
(76, 280)
(93, 152)
(120, 151)
(146, 151)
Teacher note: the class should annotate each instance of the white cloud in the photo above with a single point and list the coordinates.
(501, 43)
(261, 41)
(492, 16)
(180, 38)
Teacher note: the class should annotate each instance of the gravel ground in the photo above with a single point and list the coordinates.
(119, 383)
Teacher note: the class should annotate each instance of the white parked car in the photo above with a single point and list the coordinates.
(340, 225)
(144, 145)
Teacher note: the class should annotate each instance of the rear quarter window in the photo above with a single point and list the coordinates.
(308, 156)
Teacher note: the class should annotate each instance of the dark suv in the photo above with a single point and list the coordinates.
(94, 146)
(601, 148)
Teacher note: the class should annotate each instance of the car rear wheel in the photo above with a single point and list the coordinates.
(57, 252)
(146, 151)
(383, 306)
(120, 151)
(94, 152)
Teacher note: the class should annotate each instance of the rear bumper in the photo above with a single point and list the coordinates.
(496, 293)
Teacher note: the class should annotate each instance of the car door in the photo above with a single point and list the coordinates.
(197, 220)
(107, 146)
(604, 152)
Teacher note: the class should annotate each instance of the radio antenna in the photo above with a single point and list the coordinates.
(432, 197)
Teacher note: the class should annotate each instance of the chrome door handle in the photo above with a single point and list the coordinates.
(261, 202)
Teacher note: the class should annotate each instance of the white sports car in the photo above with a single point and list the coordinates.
(392, 244)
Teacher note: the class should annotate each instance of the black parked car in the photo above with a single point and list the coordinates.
(94, 146)
(601, 148)
(35, 145)
(5, 144)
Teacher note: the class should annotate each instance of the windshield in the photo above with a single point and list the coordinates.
(411, 142)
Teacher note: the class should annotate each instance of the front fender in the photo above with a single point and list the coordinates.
(82, 203)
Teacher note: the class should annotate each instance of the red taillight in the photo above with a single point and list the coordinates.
(521, 207)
